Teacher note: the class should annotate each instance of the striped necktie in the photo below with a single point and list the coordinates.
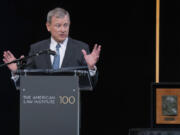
(56, 61)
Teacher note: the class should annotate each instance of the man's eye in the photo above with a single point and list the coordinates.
(58, 25)
(66, 24)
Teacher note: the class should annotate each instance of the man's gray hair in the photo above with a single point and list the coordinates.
(58, 13)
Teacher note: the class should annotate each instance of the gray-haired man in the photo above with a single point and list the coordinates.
(71, 52)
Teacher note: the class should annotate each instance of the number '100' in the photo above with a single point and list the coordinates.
(67, 100)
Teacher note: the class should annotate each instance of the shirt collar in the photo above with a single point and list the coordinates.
(54, 43)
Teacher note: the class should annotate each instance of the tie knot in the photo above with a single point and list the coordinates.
(58, 46)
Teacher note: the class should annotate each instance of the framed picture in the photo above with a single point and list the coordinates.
(165, 105)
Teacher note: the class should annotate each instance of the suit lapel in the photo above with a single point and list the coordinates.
(47, 57)
(68, 53)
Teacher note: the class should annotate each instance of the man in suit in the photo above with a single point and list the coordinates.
(70, 52)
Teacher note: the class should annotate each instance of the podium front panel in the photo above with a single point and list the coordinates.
(49, 105)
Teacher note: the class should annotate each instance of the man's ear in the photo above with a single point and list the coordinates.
(48, 26)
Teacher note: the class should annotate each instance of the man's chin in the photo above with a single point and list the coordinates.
(61, 39)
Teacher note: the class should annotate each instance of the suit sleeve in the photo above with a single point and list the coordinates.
(30, 64)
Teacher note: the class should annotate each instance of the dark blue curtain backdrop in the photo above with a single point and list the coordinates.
(126, 31)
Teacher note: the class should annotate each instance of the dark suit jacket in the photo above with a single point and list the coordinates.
(73, 56)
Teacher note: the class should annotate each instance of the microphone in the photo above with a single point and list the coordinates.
(48, 51)
(21, 60)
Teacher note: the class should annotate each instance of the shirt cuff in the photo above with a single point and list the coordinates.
(14, 77)
(93, 72)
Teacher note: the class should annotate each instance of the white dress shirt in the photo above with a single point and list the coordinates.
(62, 50)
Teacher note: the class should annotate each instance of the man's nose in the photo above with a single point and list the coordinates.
(62, 29)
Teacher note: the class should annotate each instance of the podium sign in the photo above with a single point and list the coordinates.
(168, 105)
(49, 105)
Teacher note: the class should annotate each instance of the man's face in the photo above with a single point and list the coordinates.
(59, 28)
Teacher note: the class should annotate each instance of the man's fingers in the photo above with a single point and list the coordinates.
(98, 48)
(7, 54)
(95, 47)
(5, 60)
(10, 54)
(84, 52)
(22, 56)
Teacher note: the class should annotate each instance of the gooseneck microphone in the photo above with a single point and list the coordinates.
(48, 51)
(20, 60)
